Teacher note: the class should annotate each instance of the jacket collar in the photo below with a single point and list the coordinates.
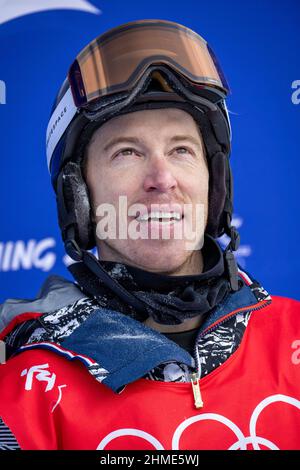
(126, 349)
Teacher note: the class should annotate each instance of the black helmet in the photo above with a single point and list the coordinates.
(145, 64)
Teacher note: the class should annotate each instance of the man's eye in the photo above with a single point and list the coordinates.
(182, 150)
(125, 152)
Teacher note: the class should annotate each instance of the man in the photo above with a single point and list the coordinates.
(162, 342)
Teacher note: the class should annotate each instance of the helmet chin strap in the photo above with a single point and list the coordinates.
(230, 261)
(93, 264)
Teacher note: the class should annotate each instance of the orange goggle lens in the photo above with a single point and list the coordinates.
(114, 61)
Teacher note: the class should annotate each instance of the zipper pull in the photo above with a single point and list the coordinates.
(196, 391)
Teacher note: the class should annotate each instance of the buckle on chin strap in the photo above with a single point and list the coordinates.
(232, 270)
(235, 239)
(73, 250)
(231, 264)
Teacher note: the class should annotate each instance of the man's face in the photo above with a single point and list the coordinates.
(154, 158)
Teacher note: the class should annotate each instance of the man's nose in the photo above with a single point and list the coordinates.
(159, 176)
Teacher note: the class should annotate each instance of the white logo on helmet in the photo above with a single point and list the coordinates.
(59, 121)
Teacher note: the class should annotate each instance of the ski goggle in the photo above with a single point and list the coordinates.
(116, 60)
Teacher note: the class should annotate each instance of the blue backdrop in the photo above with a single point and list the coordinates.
(257, 43)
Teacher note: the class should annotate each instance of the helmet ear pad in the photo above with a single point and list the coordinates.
(74, 207)
(218, 167)
(220, 178)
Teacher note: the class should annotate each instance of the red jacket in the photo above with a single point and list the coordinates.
(251, 401)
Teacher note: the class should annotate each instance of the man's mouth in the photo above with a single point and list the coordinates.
(160, 216)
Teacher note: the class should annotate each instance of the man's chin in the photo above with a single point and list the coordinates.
(167, 262)
(160, 256)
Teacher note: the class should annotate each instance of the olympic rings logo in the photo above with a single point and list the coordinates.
(241, 442)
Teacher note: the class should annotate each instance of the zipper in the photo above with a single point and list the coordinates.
(196, 376)
(196, 390)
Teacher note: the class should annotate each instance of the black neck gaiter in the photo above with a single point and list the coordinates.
(169, 300)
